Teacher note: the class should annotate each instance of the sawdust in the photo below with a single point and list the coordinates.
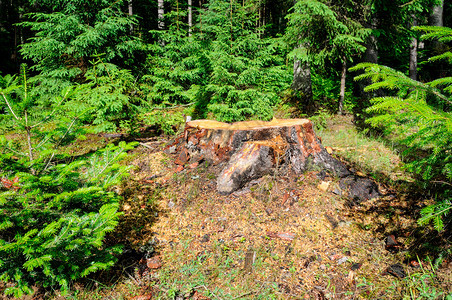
(245, 125)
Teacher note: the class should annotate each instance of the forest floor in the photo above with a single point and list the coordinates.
(281, 237)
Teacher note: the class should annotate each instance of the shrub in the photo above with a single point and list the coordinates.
(53, 216)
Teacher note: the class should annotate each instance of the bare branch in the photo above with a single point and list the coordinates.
(9, 106)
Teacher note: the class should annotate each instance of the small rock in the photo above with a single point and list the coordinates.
(322, 267)
(172, 150)
(391, 243)
(359, 189)
(355, 266)
(337, 191)
(342, 260)
(193, 165)
(205, 238)
(396, 270)
(335, 256)
(171, 204)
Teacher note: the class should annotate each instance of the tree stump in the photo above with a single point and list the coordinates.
(252, 149)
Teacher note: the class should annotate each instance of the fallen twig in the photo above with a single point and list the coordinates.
(146, 146)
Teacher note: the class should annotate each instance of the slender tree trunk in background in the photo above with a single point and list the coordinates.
(160, 13)
(259, 25)
(21, 35)
(413, 59)
(371, 55)
(190, 17)
(302, 83)
(436, 18)
(413, 56)
(342, 93)
(231, 22)
(130, 14)
(200, 17)
(160, 18)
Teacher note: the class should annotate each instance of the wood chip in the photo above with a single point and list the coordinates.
(288, 236)
(154, 262)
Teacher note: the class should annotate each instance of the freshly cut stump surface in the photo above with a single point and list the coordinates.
(252, 149)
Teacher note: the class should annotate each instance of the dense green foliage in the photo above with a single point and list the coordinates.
(67, 38)
(111, 95)
(418, 116)
(326, 41)
(226, 67)
(53, 216)
(326, 36)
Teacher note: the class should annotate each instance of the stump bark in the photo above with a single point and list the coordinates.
(252, 149)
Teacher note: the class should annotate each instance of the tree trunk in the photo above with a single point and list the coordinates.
(190, 17)
(413, 59)
(245, 151)
(302, 83)
(436, 18)
(252, 149)
(342, 93)
(130, 14)
(371, 54)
